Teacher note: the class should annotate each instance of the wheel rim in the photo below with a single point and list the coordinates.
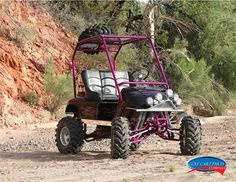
(65, 136)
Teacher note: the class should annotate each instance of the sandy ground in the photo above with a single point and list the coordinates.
(29, 154)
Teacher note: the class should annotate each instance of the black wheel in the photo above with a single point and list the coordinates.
(120, 142)
(69, 135)
(94, 30)
(134, 146)
(190, 136)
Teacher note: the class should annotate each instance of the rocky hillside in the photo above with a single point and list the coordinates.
(29, 39)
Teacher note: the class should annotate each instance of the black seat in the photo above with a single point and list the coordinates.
(100, 85)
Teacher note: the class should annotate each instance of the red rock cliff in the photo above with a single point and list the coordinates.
(22, 65)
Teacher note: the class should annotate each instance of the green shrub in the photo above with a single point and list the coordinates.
(67, 13)
(91, 61)
(127, 58)
(232, 100)
(31, 98)
(199, 88)
(58, 88)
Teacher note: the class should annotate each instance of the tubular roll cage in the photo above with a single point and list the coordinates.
(113, 44)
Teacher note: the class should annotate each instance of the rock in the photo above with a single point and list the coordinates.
(1, 104)
(21, 68)
(39, 65)
(203, 111)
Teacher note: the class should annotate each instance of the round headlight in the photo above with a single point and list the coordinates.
(169, 93)
(176, 97)
(150, 101)
(179, 102)
(159, 97)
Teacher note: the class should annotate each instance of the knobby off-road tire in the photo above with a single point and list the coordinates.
(69, 135)
(94, 30)
(120, 141)
(134, 146)
(190, 136)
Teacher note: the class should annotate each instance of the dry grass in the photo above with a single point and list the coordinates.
(173, 167)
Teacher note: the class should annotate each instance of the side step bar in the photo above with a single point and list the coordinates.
(96, 122)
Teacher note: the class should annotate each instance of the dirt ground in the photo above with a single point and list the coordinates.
(29, 154)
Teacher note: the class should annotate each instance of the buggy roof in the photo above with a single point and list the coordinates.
(95, 43)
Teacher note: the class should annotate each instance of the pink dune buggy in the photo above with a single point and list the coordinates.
(125, 105)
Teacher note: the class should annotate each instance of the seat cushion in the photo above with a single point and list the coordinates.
(100, 85)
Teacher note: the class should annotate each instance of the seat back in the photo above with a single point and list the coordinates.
(103, 84)
(92, 80)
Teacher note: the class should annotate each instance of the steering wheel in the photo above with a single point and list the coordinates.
(140, 74)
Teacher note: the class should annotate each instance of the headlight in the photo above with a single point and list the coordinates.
(150, 101)
(176, 97)
(169, 93)
(179, 102)
(159, 97)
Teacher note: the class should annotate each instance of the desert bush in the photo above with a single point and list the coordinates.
(128, 58)
(199, 88)
(20, 32)
(232, 100)
(31, 98)
(24, 33)
(67, 13)
(58, 88)
(91, 61)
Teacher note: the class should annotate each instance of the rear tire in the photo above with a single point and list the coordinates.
(94, 30)
(69, 135)
(190, 136)
(120, 140)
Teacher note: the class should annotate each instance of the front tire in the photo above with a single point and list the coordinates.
(190, 136)
(120, 140)
(69, 135)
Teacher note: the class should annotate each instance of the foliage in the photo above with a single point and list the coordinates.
(31, 98)
(20, 32)
(193, 80)
(24, 33)
(196, 41)
(232, 100)
(128, 58)
(91, 61)
(78, 15)
(210, 41)
(215, 42)
(58, 88)
(198, 87)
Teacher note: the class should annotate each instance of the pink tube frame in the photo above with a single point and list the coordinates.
(106, 40)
